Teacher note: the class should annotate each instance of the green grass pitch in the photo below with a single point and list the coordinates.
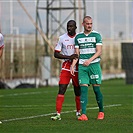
(29, 110)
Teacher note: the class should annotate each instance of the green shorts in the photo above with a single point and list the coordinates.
(90, 74)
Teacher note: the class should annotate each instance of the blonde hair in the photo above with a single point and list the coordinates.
(88, 17)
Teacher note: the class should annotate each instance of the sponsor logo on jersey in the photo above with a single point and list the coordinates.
(87, 40)
(70, 46)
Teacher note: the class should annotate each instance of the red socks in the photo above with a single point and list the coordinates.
(59, 102)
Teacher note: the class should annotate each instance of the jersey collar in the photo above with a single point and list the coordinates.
(71, 36)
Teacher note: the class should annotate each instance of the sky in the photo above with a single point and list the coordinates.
(110, 17)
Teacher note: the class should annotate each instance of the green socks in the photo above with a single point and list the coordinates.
(99, 97)
(84, 98)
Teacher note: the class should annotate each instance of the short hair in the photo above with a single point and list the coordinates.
(88, 17)
(74, 22)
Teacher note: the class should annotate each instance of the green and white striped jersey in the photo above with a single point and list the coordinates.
(87, 45)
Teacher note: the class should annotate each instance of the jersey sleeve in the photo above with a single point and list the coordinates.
(76, 42)
(58, 46)
(99, 40)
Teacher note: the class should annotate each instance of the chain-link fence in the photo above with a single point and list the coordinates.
(24, 59)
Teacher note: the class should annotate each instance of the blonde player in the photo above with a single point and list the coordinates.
(88, 45)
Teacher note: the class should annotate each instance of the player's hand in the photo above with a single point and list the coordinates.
(72, 71)
(87, 63)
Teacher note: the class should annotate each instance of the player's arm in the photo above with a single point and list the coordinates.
(58, 55)
(97, 54)
(74, 61)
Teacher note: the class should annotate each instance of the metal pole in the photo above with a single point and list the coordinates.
(11, 17)
(47, 33)
(36, 52)
(12, 39)
(127, 19)
(112, 18)
(95, 14)
(80, 16)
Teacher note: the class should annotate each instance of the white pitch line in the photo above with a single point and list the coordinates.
(34, 93)
(31, 117)
(28, 93)
(20, 94)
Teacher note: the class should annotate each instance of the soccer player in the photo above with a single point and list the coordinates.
(65, 50)
(1, 44)
(88, 45)
(1, 48)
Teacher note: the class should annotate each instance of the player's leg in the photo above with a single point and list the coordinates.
(77, 100)
(83, 81)
(83, 101)
(96, 81)
(63, 83)
(59, 101)
(99, 99)
(77, 93)
(60, 97)
(84, 98)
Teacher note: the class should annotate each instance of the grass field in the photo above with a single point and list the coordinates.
(29, 110)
